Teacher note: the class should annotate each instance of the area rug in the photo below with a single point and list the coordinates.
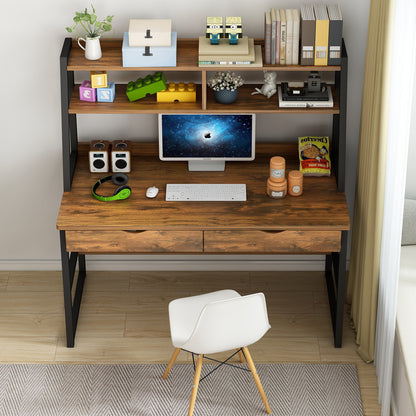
(138, 390)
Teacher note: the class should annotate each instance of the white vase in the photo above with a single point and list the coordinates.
(92, 47)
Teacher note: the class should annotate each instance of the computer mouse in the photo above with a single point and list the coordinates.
(152, 192)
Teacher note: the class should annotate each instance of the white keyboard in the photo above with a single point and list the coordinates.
(206, 192)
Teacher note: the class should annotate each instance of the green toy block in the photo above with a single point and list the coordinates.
(149, 85)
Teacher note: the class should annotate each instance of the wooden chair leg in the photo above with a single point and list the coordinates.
(171, 362)
(197, 376)
(241, 355)
(257, 379)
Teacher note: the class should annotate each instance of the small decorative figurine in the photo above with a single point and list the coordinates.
(268, 89)
(233, 29)
(215, 29)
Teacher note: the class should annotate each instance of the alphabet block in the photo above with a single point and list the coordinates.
(106, 94)
(86, 92)
(98, 79)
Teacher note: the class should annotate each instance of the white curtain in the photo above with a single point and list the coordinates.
(400, 113)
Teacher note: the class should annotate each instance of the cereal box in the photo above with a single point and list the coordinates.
(314, 156)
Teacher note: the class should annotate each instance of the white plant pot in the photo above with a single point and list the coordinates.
(92, 48)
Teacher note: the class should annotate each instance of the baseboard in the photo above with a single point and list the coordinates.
(133, 264)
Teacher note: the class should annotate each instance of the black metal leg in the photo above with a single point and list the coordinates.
(69, 261)
(335, 271)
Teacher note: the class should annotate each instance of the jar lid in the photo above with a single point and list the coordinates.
(295, 174)
(277, 186)
(277, 160)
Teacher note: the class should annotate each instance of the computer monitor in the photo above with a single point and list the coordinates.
(206, 141)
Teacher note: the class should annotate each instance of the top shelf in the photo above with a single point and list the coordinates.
(187, 59)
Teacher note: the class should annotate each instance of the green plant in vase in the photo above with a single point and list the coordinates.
(93, 28)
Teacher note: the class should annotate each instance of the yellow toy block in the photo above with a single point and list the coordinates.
(98, 79)
(184, 93)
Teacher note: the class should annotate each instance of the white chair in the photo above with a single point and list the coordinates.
(217, 322)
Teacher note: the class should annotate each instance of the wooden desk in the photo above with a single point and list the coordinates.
(314, 223)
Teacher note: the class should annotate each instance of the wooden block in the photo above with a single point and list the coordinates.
(87, 92)
(106, 94)
(98, 79)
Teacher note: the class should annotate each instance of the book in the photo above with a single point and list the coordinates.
(307, 103)
(267, 38)
(277, 60)
(307, 39)
(250, 57)
(273, 44)
(289, 36)
(229, 61)
(335, 34)
(282, 37)
(223, 48)
(321, 34)
(296, 30)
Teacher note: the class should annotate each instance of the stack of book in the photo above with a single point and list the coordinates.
(312, 36)
(281, 37)
(243, 54)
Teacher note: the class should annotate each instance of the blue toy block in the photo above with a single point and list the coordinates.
(106, 94)
(135, 56)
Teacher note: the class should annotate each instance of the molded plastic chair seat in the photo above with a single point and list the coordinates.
(216, 322)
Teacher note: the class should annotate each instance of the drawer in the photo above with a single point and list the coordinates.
(272, 242)
(134, 241)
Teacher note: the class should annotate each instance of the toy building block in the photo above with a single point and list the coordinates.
(149, 85)
(98, 79)
(215, 29)
(86, 92)
(106, 94)
(184, 93)
(233, 29)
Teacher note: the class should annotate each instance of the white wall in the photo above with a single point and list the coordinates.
(30, 159)
(411, 165)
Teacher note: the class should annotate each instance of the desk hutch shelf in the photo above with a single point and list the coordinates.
(316, 222)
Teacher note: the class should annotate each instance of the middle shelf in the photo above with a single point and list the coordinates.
(245, 103)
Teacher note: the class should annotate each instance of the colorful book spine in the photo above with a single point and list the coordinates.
(321, 34)
(282, 37)
(267, 38)
(277, 60)
(289, 36)
(273, 44)
(335, 34)
(296, 30)
(307, 41)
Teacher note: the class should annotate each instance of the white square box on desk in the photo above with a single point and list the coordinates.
(150, 32)
(134, 56)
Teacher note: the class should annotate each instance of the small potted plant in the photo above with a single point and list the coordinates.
(225, 86)
(93, 28)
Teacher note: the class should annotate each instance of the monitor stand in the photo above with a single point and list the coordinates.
(206, 165)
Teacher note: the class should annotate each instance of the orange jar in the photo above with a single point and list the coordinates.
(276, 190)
(277, 169)
(295, 183)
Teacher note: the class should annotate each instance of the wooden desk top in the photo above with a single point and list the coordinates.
(320, 207)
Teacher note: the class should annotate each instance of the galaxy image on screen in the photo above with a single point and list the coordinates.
(207, 135)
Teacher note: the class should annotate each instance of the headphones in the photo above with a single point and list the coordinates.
(122, 191)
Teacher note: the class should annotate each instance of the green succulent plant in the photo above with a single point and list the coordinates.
(90, 23)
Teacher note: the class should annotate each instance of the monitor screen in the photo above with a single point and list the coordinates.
(209, 137)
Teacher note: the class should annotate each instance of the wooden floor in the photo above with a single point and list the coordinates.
(124, 319)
